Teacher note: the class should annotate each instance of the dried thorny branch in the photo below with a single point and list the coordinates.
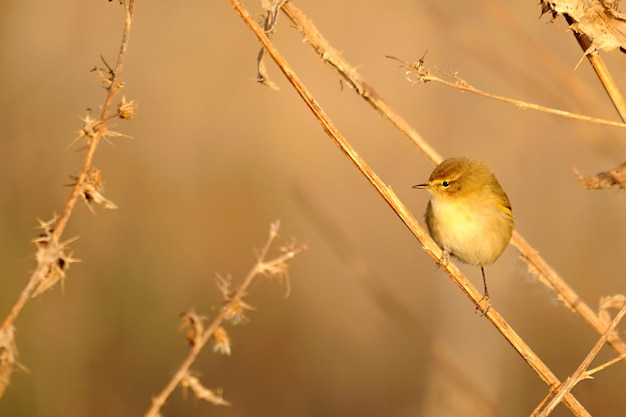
(199, 331)
(417, 73)
(603, 180)
(53, 256)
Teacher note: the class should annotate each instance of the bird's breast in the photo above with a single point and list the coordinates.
(475, 232)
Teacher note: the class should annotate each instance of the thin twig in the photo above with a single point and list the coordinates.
(423, 75)
(235, 301)
(54, 242)
(400, 209)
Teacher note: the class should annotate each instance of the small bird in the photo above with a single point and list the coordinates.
(469, 214)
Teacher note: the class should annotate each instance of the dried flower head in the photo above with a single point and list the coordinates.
(89, 131)
(126, 109)
(221, 341)
(92, 188)
(45, 234)
(52, 259)
(193, 326)
(52, 263)
(235, 311)
(235, 307)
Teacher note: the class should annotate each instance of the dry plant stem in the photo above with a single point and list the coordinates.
(259, 268)
(546, 274)
(424, 76)
(333, 58)
(581, 372)
(568, 296)
(428, 244)
(61, 223)
(602, 72)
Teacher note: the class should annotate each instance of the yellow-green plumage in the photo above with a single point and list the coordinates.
(469, 214)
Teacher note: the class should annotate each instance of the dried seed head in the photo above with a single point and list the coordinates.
(221, 341)
(52, 259)
(45, 234)
(126, 109)
(192, 325)
(235, 311)
(52, 263)
(92, 188)
(89, 131)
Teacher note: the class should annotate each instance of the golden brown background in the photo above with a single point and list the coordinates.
(371, 328)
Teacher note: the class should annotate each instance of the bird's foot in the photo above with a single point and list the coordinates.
(444, 260)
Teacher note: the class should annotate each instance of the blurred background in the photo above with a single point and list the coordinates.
(371, 326)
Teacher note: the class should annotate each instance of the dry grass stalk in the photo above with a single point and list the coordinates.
(198, 334)
(601, 70)
(52, 257)
(428, 244)
(333, 57)
(422, 75)
(581, 373)
(536, 264)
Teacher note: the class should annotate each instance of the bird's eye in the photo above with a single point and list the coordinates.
(445, 184)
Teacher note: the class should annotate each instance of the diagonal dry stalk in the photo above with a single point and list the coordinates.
(232, 310)
(536, 263)
(52, 259)
(601, 70)
(581, 372)
(400, 209)
(452, 79)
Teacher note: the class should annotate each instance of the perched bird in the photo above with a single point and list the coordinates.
(469, 214)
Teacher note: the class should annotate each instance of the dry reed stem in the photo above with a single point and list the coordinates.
(52, 261)
(332, 57)
(581, 372)
(400, 209)
(535, 262)
(423, 76)
(232, 310)
(602, 72)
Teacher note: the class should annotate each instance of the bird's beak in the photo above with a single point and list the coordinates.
(424, 185)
